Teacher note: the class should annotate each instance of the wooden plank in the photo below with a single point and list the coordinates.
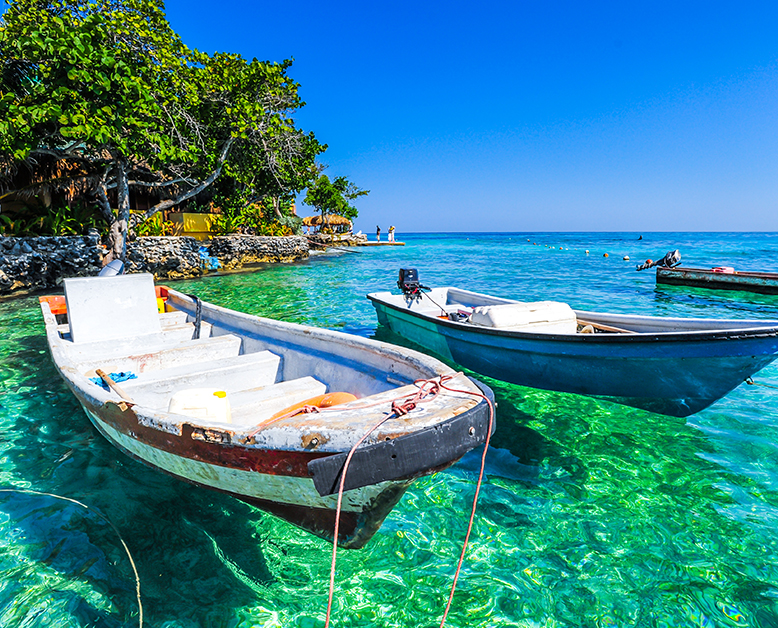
(608, 328)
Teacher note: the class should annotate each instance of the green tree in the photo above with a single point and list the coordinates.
(334, 197)
(108, 87)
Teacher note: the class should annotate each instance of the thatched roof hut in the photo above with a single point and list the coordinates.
(330, 220)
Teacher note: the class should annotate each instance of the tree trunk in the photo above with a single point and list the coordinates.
(114, 233)
(194, 190)
(277, 206)
(123, 198)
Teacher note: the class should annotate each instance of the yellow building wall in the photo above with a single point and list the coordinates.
(196, 226)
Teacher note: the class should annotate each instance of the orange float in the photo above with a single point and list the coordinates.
(320, 401)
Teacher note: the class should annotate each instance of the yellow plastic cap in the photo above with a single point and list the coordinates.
(220, 394)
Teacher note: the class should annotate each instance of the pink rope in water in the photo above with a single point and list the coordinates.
(337, 516)
(399, 409)
(475, 497)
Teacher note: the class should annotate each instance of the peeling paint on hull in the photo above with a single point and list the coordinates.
(762, 283)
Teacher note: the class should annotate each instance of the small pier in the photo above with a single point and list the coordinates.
(328, 241)
(378, 244)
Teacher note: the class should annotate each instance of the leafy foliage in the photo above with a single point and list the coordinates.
(334, 197)
(63, 220)
(228, 222)
(255, 219)
(154, 226)
(107, 85)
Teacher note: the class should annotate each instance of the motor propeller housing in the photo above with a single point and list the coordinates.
(408, 282)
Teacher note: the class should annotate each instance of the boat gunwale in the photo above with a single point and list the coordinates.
(174, 424)
(607, 337)
(708, 271)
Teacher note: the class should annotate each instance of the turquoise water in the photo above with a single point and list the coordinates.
(592, 514)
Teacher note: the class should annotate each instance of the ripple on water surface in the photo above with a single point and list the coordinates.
(592, 514)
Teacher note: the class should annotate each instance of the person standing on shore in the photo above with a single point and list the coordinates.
(377, 233)
(391, 234)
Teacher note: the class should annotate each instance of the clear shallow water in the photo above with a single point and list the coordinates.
(593, 514)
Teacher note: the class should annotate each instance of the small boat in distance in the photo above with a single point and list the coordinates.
(263, 410)
(673, 366)
(721, 278)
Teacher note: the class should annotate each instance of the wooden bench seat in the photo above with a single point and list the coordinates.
(170, 334)
(138, 357)
(230, 374)
(167, 319)
(254, 405)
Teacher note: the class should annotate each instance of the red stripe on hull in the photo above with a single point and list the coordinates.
(269, 461)
(356, 528)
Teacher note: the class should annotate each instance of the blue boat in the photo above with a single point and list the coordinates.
(673, 366)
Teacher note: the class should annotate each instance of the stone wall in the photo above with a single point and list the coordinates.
(165, 257)
(28, 264)
(34, 263)
(235, 251)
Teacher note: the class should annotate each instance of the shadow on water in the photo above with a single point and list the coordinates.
(59, 560)
(721, 303)
(629, 501)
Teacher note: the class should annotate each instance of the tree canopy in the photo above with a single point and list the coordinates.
(334, 197)
(108, 90)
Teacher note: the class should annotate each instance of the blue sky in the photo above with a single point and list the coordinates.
(519, 116)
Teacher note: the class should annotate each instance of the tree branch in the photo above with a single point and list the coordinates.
(196, 189)
(161, 184)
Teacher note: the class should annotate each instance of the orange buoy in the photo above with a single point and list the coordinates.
(605, 255)
(320, 401)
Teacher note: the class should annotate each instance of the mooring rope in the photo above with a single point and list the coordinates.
(428, 390)
(30, 491)
(750, 381)
(475, 497)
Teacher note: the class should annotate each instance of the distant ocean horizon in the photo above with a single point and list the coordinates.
(591, 514)
(637, 233)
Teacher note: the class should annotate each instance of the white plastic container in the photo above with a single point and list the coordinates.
(202, 403)
(540, 316)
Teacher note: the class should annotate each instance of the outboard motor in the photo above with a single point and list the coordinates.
(408, 283)
(671, 258)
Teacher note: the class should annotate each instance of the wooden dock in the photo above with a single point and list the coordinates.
(380, 244)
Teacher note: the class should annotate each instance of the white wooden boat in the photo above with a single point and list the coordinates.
(214, 396)
(674, 366)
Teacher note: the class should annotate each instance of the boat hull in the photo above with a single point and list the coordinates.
(762, 283)
(276, 482)
(676, 375)
(264, 452)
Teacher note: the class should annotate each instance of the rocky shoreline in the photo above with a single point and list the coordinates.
(29, 264)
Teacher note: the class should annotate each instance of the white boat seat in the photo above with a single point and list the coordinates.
(176, 317)
(109, 308)
(231, 374)
(170, 334)
(538, 316)
(139, 358)
(254, 405)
